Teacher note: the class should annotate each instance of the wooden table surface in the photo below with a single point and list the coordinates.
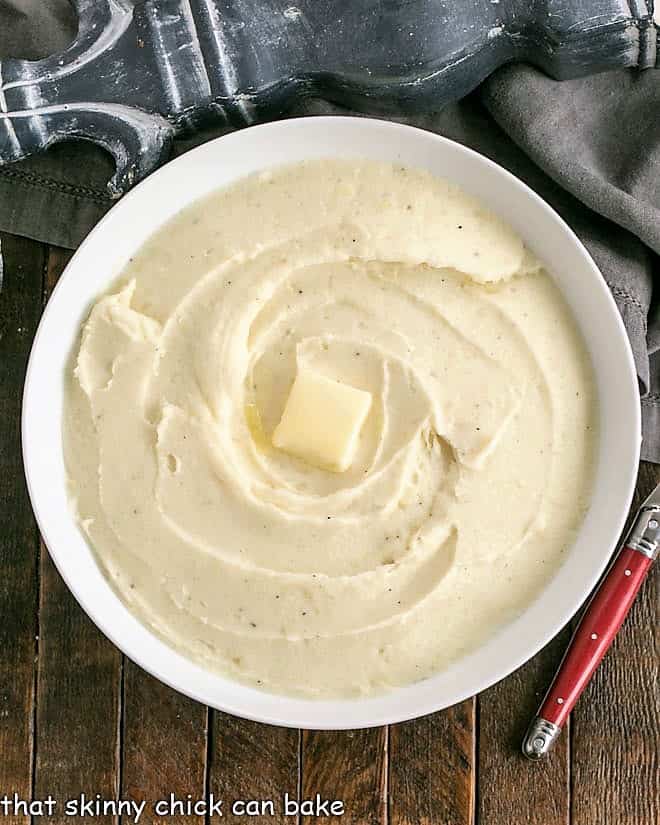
(75, 716)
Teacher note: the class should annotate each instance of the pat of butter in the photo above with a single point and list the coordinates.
(322, 420)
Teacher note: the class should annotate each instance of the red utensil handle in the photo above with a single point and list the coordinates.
(598, 627)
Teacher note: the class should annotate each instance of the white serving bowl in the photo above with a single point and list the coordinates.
(219, 163)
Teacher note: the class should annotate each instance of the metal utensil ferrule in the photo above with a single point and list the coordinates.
(539, 739)
(644, 535)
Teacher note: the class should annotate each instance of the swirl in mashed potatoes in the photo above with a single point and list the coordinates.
(473, 468)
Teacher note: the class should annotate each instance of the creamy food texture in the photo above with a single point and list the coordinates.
(473, 467)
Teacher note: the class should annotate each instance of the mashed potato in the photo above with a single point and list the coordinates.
(473, 468)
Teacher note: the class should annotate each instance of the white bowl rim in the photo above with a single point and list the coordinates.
(504, 652)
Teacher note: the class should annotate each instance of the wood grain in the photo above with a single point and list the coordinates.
(57, 260)
(78, 702)
(164, 746)
(512, 789)
(351, 766)
(616, 724)
(252, 761)
(78, 685)
(432, 768)
(65, 737)
(20, 306)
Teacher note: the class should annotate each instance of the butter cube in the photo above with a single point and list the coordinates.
(322, 420)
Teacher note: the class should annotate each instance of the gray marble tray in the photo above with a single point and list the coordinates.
(139, 73)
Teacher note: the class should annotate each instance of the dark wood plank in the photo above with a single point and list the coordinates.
(350, 766)
(252, 761)
(78, 702)
(614, 730)
(20, 307)
(616, 724)
(432, 779)
(78, 686)
(511, 789)
(58, 258)
(164, 746)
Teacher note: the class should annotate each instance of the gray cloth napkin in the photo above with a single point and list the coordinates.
(590, 147)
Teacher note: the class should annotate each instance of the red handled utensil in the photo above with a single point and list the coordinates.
(599, 625)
